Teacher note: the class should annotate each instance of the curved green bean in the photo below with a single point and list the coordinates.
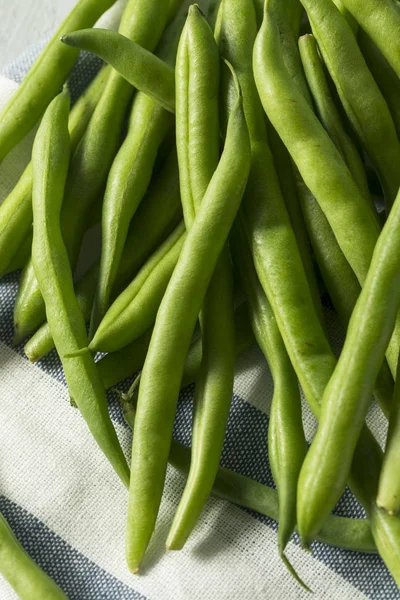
(134, 311)
(328, 113)
(141, 68)
(152, 223)
(381, 21)
(345, 401)
(144, 21)
(362, 99)
(197, 134)
(384, 75)
(22, 573)
(131, 172)
(162, 371)
(389, 486)
(46, 77)
(286, 441)
(16, 210)
(339, 532)
(50, 161)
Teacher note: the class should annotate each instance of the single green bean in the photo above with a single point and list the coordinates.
(25, 577)
(16, 210)
(294, 12)
(50, 161)
(345, 402)
(328, 113)
(272, 75)
(381, 21)
(131, 172)
(197, 135)
(340, 280)
(163, 368)
(135, 310)
(144, 21)
(152, 223)
(142, 69)
(46, 77)
(286, 441)
(340, 532)
(384, 75)
(362, 99)
(349, 17)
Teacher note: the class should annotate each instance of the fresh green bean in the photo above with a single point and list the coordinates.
(131, 172)
(134, 311)
(138, 66)
(144, 21)
(50, 161)
(286, 440)
(294, 12)
(340, 280)
(340, 532)
(22, 573)
(345, 401)
(117, 366)
(349, 17)
(46, 77)
(16, 210)
(162, 371)
(381, 21)
(274, 81)
(197, 135)
(362, 100)
(154, 220)
(328, 113)
(384, 75)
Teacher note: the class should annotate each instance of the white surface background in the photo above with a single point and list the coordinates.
(24, 22)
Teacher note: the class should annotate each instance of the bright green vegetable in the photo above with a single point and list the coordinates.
(286, 442)
(46, 77)
(340, 532)
(197, 135)
(143, 21)
(362, 100)
(22, 573)
(134, 311)
(50, 161)
(163, 368)
(154, 220)
(16, 210)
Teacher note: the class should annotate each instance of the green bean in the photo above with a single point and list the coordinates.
(283, 167)
(340, 532)
(144, 21)
(131, 172)
(197, 135)
(50, 161)
(362, 100)
(340, 280)
(153, 221)
(345, 402)
(294, 12)
(16, 210)
(22, 573)
(286, 441)
(22, 256)
(384, 75)
(349, 17)
(134, 311)
(274, 82)
(117, 366)
(138, 66)
(327, 112)
(162, 371)
(381, 21)
(389, 487)
(45, 78)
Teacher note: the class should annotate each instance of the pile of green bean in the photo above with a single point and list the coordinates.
(239, 195)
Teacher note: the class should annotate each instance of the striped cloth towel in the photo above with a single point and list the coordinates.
(68, 509)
